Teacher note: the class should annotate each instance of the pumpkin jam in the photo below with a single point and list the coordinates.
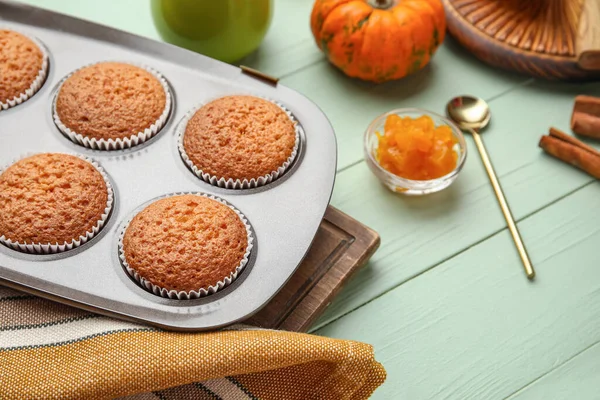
(415, 148)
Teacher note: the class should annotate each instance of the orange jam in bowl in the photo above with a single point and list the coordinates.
(414, 151)
(414, 148)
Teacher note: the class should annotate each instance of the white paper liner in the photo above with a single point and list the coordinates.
(39, 80)
(52, 248)
(119, 143)
(237, 183)
(201, 292)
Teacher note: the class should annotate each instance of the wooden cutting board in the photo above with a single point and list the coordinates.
(342, 245)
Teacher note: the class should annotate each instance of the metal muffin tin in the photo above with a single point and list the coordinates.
(284, 215)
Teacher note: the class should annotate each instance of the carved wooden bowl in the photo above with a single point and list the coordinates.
(551, 39)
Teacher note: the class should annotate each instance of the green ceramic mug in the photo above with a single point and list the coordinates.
(223, 29)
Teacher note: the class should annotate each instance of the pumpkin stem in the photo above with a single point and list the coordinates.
(381, 4)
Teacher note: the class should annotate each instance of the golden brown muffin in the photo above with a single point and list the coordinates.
(50, 198)
(110, 101)
(185, 243)
(239, 137)
(20, 63)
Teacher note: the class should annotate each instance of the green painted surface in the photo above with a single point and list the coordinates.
(578, 379)
(444, 301)
(474, 327)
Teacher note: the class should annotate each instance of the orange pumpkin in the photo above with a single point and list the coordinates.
(378, 40)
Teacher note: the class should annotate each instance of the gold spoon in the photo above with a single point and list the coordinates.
(472, 114)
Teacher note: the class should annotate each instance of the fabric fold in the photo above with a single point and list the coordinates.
(98, 358)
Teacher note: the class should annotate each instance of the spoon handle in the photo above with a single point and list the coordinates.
(512, 227)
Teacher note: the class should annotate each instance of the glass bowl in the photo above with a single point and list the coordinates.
(402, 185)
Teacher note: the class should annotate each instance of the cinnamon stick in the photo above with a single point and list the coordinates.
(572, 151)
(586, 116)
(557, 133)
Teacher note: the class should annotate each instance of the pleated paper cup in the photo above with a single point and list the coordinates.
(237, 183)
(119, 143)
(53, 248)
(200, 292)
(39, 80)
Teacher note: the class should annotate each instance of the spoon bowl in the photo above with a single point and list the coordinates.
(469, 113)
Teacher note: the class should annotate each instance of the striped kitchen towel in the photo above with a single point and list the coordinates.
(52, 351)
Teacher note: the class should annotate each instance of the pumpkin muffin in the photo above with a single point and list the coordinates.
(185, 243)
(239, 138)
(51, 198)
(23, 67)
(111, 100)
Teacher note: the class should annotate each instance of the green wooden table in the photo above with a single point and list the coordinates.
(445, 301)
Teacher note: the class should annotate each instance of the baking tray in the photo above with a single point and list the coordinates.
(284, 215)
(341, 247)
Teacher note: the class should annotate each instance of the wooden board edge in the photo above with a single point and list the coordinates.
(365, 242)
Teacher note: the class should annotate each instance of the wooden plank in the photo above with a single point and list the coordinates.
(288, 61)
(474, 327)
(416, 232)
(578, 379)
(531, 179)
(419, 233)
(351, 105)
(289, 45)
(342, 245)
